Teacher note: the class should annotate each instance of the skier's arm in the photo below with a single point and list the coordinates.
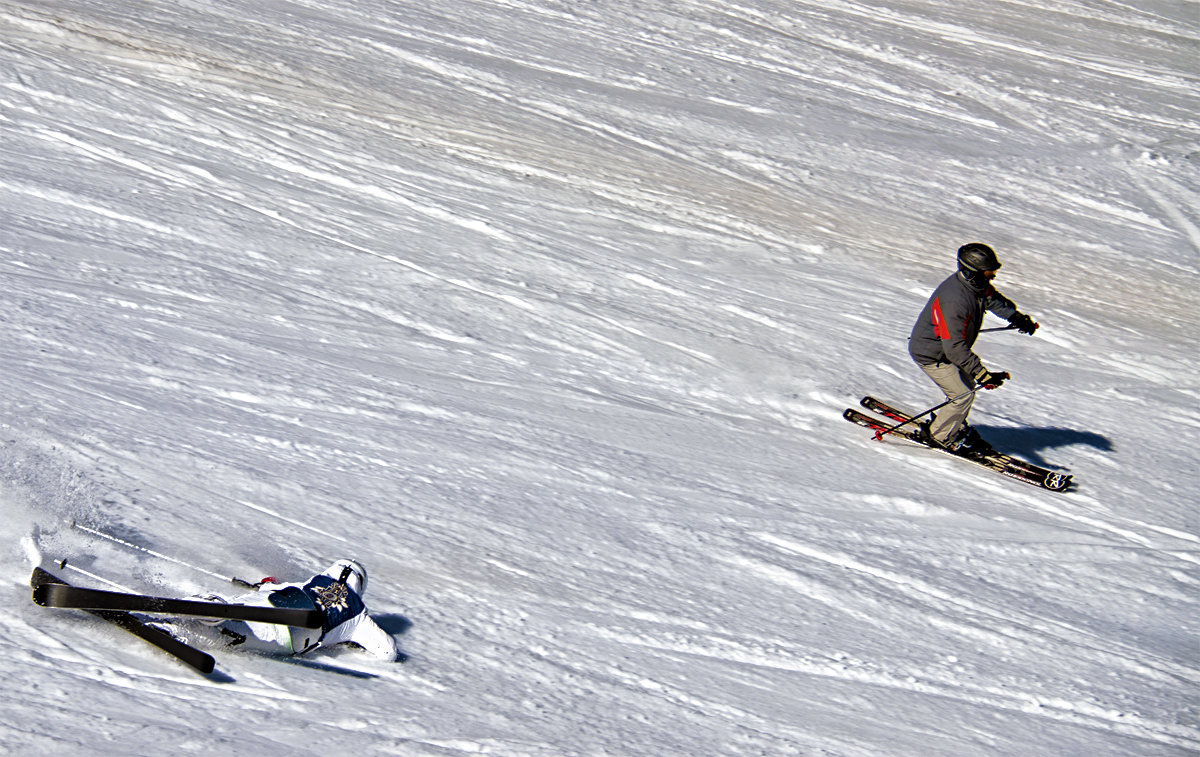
(1007, 309)
(368, 635)
(997, 303)
(950, 324)
(364, 632)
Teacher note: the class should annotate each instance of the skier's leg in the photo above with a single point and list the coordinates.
(946, 422)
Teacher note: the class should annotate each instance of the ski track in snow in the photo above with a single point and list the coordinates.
(546, 312)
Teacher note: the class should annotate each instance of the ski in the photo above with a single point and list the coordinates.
(1006, 465)
(65, 596)
(185, 653)
(901, 416)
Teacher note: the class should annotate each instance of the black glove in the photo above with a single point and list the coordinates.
(989, 380)
(1023, 323)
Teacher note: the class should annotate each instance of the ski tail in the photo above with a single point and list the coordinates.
(890, 412)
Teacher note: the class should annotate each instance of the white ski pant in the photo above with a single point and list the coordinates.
(953, 382)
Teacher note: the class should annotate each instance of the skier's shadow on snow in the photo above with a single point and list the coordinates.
(395, 625)
(1028, 443)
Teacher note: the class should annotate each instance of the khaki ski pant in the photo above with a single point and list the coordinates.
(953, 382)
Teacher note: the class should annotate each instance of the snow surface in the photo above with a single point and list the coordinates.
(547, 311)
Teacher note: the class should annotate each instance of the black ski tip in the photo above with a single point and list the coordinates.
(205, 665)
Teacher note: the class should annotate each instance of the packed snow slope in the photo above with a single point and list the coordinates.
(547, 312)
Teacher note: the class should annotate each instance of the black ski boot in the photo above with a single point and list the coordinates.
(971, 444)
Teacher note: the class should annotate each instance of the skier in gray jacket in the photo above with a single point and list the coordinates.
(944, 335)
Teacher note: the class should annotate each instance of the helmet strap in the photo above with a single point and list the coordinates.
(973, 276)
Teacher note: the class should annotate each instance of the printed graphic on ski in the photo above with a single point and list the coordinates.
(185, 653)
(62, 595)
(1006, 465)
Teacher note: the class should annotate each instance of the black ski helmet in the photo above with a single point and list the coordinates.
(977, 256)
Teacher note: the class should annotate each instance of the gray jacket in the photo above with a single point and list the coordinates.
(948, 326)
